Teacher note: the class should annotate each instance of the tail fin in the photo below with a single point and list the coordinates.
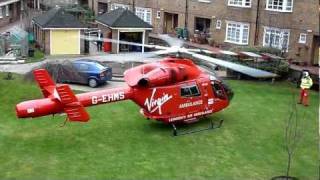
(72, 106)
(45, 82)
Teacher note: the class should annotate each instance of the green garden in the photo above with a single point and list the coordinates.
(118, 143)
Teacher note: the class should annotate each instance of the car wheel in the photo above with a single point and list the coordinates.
(93, 83)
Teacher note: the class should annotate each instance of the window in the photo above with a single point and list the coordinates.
(239, 3)
(158, 14)
(218, 24)
(205, 1)
(237, 33)
(190, 91)
(115, 6)
(144, 14)
(303, 38)
(218, 90)
(1, 14)
(276, 38)
(83, 67)
(280, 5)
(7, 10)
(22, 5)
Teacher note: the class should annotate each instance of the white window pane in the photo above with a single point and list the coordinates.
(1, 12)
(7, 10)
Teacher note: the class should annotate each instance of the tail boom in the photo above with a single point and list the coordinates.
(54, 105)
(61, 99)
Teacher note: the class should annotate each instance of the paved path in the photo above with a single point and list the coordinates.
(117, 58)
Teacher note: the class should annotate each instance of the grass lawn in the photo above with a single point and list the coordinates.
(118, 143)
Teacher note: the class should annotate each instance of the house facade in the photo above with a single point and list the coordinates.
(289, 25)
(10, 11)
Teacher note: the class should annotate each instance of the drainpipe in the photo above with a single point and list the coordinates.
(134, 6)
(186, 14)
(256, 34)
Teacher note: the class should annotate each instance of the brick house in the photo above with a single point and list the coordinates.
(10, 11)
(289, 25)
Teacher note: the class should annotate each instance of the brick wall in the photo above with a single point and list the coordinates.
(303, 19)
(14, 14)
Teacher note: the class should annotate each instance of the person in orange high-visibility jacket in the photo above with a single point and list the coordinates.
(306, 83)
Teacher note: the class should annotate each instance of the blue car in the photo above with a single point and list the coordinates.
(85, 71)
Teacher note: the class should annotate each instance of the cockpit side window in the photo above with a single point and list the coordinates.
(218, 90)
(190, 91)
(185, 92)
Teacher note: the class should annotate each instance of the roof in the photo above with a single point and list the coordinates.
(57, 18)
(122, 18)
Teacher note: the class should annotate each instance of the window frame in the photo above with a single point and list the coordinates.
(158, 14)
(281, 35)
(204, 1)
(144, 12)
(242, 25)
(218, 24)
(190, 92)
(7, 10)
(115, 6)
(1, 12)
(243, 3)
(305, 38)
(218, 87)
(284, 6)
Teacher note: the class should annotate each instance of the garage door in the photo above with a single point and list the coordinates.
(65, 42)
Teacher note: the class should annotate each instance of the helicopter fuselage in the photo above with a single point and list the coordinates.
(172, 91)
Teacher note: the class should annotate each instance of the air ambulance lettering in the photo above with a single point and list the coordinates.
(190, 104)
(197, 114)
(154, 104)
(106, 98)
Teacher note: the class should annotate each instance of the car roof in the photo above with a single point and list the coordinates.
(87, 61)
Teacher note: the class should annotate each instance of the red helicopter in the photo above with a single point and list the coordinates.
(172, 91)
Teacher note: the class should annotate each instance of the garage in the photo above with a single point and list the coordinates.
(58, 33)
(62, 45)
(135, 37)
(124, 25)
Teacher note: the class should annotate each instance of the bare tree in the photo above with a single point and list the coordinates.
(292, 134)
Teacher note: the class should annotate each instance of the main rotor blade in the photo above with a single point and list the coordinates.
(171, 40)
(94, 38)
(253, 72)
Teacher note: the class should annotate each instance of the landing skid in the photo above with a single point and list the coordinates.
(176, 132)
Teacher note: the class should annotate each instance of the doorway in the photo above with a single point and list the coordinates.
(202, 25)
(316, 50)
(170, 23)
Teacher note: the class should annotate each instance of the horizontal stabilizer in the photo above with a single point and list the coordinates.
(44, 81)
(72, 106)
